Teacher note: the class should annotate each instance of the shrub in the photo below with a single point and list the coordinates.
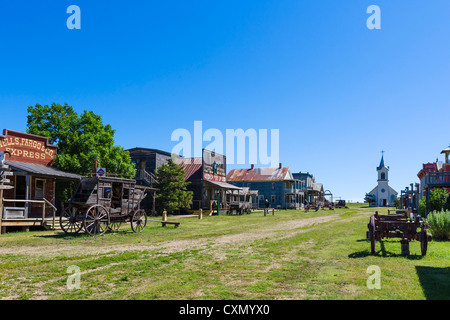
(439, 224)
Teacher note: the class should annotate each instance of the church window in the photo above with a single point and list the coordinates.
(383, 176)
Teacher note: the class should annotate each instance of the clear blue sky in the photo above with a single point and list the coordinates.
(338, 92)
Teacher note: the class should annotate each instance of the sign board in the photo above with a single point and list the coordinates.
(429, 166)
(28, 148)
(214, 166)
(101, 172)
(5, 187)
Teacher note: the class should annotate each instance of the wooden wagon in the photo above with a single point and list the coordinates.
(104, 203)
(404, 226)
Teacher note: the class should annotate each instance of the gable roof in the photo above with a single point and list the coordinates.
(261, 174)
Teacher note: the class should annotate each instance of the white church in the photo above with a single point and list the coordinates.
(383, 194)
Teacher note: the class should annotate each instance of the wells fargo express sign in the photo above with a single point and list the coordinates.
(27, 147)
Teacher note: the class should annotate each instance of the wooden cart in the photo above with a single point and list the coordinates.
(104, 203)
(404, 226)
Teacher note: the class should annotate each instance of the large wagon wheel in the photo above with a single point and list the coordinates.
(371, 226)
(96, 220)
(70, 221)
(139, 221)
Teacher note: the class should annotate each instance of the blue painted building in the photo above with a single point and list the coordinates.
(277, 185)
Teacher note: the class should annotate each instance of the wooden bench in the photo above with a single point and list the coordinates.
(164, 223)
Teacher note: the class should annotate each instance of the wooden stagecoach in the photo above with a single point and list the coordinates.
(104, 203)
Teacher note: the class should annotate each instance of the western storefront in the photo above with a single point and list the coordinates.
(30, 198)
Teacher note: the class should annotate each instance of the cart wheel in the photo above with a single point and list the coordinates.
(139, 221)
(371, 226)
(96, 220)
(114, 226)
(423, 243)
(69, 220)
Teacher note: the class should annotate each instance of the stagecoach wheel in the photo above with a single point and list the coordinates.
(69, 222)
(114, 226)
(139, 221)
(96, 220)
(372, 234)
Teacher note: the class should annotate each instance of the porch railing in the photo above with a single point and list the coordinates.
(44, 203)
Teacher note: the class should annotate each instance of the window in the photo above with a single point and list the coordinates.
(40, 189)
(383, 176)
(274, 185)
(274, 198)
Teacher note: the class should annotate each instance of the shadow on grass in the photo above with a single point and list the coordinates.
(381, 253)
(63, 235)
(435, 282)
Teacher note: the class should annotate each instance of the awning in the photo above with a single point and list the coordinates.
(223, 185)
(42, 170)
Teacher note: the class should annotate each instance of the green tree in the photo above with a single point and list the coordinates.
(80, 139)
(438, 199)
(369, 198)
(172, 194)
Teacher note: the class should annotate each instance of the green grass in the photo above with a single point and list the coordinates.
(225, 257)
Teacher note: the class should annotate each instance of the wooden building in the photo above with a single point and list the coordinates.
(147, 161)
(208, 181)
(277, 185)
(32, 199)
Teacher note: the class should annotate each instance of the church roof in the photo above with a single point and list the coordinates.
(381, 163)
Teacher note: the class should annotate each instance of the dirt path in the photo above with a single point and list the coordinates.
(277, 231)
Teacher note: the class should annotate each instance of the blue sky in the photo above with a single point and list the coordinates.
(338, 92)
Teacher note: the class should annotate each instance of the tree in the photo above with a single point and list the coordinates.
(80, 139)
(172, 194)
(369, 198)
(438, 199)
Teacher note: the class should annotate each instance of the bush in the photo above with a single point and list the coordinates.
(439, 224)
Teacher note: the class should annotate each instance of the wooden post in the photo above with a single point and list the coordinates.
(164, 217)
(200, 214)
(405, 247)
(273, 211)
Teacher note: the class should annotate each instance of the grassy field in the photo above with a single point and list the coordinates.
(291, 255)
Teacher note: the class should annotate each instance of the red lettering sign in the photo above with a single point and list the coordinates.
(27, 147)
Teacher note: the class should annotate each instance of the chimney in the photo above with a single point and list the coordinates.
(280, 165)
(252, 167)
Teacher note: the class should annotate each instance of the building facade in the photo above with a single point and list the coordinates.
(383, 194)
(208, 181)
(277, 185)
(33, 181)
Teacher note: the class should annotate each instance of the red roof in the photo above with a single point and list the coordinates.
(262, 174)
(192, 167)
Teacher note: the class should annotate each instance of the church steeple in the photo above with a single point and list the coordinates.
(382, 169)
(382, 165)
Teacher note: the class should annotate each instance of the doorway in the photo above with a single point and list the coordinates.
(20, 190)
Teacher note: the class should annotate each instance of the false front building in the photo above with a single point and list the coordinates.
(208, 182)
(30, 197)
